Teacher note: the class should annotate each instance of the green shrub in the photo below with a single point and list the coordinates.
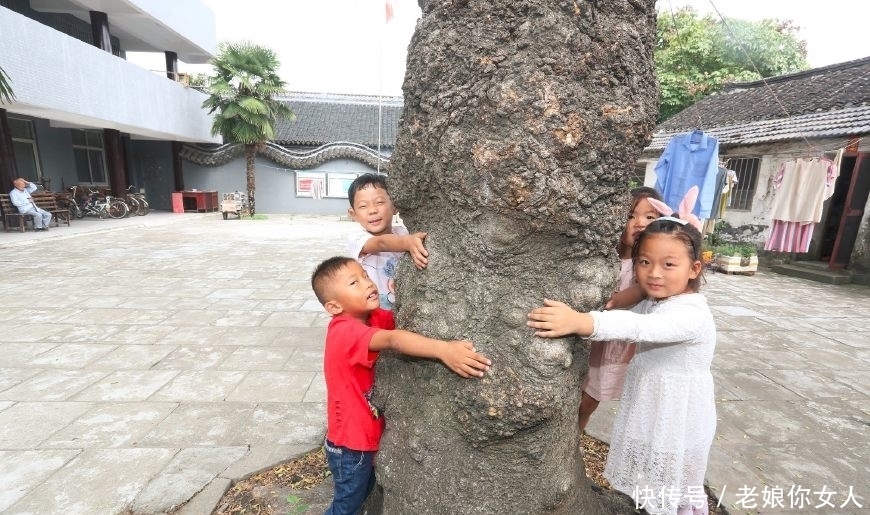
(735, 249)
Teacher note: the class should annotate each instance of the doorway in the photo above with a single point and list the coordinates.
(846, 211)
(831, 223)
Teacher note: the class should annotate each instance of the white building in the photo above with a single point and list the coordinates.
(84, 115)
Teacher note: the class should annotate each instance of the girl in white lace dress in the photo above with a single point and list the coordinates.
(667, 416)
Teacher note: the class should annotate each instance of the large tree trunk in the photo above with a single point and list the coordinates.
(251, 175)
(522, 119)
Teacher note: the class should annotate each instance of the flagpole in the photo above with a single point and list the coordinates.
(380, 101)
(380, 88)
(388, 7)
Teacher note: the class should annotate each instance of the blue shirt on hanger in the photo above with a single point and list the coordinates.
(690, 159)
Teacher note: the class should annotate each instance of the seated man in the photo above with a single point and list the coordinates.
(20, 198)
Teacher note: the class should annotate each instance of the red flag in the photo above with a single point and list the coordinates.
(389, 7)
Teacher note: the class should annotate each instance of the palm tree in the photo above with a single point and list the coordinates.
(6, 94)
(243, 91)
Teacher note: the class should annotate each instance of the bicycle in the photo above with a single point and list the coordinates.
(68, 201)
(138, 205)
(97, 205)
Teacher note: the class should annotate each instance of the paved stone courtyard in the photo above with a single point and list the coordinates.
(145, 362)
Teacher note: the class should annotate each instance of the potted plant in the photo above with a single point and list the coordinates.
(736, 258)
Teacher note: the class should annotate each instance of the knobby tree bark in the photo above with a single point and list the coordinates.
(521, 121)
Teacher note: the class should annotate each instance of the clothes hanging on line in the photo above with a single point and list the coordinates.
(728, 192)
(790, 237)
(800, 187)
(725, 181)
(832, 182)
(690, 159)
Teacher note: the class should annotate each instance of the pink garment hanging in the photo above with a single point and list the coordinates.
(790, 237)
(801, 188)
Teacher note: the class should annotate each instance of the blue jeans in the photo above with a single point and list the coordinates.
(354, 476)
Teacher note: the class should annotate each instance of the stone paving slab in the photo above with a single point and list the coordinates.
(158, 359)
(190, 471)
(25, 425)
(97, 481)
(23, 469)
(52, 385)
(109, 425)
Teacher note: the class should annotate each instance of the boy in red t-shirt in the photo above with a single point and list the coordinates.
(359, 330)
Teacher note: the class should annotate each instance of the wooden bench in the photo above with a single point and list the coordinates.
(12, 219)
(46, 200)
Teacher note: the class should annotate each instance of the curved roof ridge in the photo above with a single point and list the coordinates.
(302, 160)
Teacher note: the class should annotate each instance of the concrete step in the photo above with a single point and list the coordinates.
(813, 272)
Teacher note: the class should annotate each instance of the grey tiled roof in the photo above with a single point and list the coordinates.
(840, 123)
(831, 101)
(323, 118)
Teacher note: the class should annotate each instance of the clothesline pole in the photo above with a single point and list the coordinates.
(381, 81)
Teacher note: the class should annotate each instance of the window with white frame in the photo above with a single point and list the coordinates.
(90, 156)
(25, 148)
(637, 175)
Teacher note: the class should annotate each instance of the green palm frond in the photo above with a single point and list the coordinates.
(254, 105)
(243, 91)
(6, 93)
(230, 111)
